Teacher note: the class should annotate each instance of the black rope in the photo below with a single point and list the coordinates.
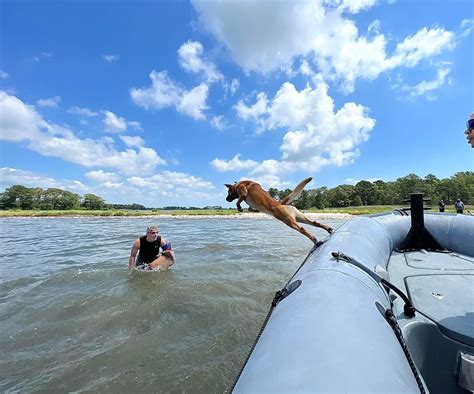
(279, 295)
(408, 307)
(390, 317)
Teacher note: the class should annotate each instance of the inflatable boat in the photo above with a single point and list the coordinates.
(385, 304)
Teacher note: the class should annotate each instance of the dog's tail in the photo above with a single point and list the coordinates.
(295, 193)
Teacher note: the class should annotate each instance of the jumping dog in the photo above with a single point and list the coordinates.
(257, 198)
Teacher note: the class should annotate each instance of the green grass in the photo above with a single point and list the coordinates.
(362, 210)
(373, 209)
(108, 213)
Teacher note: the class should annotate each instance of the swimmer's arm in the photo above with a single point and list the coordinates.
(165, 245)
(166, 248)
(133, 254)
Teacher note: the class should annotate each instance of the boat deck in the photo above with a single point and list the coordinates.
(441, 287)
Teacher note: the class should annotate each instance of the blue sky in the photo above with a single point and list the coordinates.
(162, 102)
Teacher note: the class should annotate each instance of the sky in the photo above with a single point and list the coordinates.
(163, 102)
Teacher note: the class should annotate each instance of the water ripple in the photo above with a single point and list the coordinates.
(73, 319)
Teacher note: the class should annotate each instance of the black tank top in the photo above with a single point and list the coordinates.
(149, 251)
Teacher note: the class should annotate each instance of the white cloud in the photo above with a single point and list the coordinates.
(173, 185)
(235, 164)
(193, 102)
(164, 92)
(42, 55)
(82, 111)
(116, 124)
(20, 122)
(253, 111)
(101, 176)
(217, 122)
(110, 58)
(132, 141)
(135, 125)
(317, 134)
(13, 176)
(52, 102)
(160, 189)
(355, 6)
(264, 36)
(425, 87)
(234, 85)
(4, 75)
(113, 123)
(467, 25)
(261, 35)
(190, 58)
(423, 44)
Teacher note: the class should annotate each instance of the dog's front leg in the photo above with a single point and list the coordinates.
(242, 190)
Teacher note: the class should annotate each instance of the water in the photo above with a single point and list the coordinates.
(74, 319)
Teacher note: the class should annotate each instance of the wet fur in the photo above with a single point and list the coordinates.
(257, 198)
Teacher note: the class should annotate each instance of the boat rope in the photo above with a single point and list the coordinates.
(392, 321)
(279, 295)
(408, 307)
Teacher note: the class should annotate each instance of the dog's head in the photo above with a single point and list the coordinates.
(231, 192)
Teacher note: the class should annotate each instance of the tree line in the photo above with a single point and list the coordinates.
(21, 197)
(460, 185)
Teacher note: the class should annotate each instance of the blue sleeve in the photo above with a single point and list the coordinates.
(166, 246)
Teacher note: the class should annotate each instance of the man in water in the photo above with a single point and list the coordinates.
(470, 130)
(148, 249)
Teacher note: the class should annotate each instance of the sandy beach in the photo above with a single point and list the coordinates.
(260, 215)
(243, 215)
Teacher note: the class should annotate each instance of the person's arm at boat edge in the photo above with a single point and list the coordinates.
(166, 249)
(133, 254)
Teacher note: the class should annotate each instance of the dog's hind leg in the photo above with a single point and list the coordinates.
(286, 216)
(301, 218)
(303, 231)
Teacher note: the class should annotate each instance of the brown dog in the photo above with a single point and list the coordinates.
(257, 198)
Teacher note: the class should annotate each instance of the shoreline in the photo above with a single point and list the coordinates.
(245, 215)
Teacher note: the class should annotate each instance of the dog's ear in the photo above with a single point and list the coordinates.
(227, 185)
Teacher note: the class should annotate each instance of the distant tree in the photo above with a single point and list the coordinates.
(93, 202)
(54, 198)
(366, 192)
(303, 201)
(340, 196)
(17, 197)
(282, 194)
(318, 198)
(356, 201)
(273, 192)
(411, 183)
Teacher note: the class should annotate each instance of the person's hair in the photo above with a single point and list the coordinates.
(149, 229)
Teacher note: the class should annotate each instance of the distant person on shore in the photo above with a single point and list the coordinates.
(470, 130)
(459, 206)
(441, 205)
(148, 249)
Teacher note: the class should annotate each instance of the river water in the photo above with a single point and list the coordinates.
(73, 318)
